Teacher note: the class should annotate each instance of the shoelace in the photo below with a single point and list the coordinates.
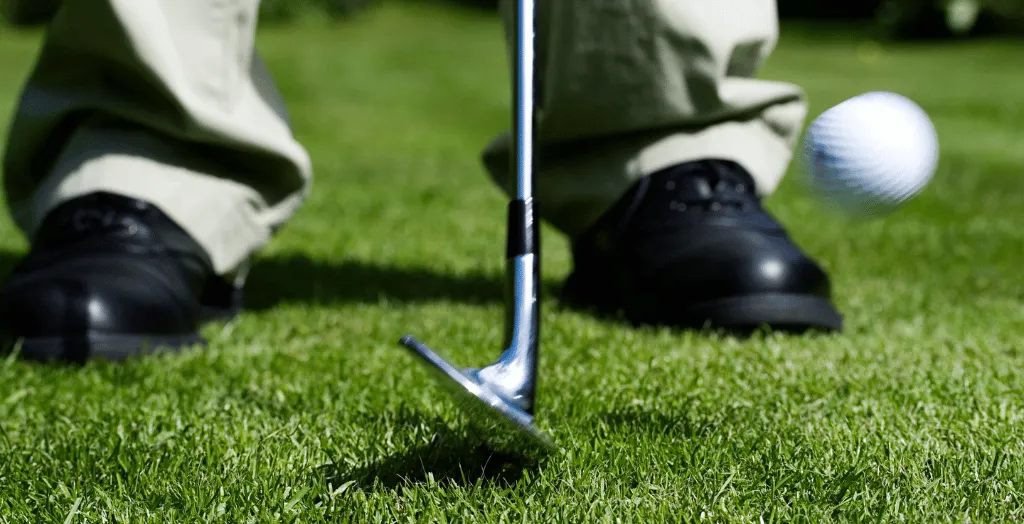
(68, 229)
(719, 187)
(101, 221)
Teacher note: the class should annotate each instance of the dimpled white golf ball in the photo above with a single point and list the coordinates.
(872, 153)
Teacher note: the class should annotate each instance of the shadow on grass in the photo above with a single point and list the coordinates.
(296, 278)
(449, 459)
(292, 278)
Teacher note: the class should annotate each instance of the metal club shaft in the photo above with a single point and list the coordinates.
(501, 397)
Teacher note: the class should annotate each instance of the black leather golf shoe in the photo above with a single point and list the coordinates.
(692, 247)
(107, 277)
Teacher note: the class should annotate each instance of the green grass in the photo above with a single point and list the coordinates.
(305, 409)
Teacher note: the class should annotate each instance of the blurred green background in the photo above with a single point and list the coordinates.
(892, 19)
(896, 19)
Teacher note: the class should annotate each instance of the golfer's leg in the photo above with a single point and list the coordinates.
(628, 87)
(164, 101)
(652, 130)
(149, 153)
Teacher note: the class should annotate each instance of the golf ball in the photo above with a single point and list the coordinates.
(870, 154)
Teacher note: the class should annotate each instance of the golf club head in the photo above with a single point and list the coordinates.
(504, 426)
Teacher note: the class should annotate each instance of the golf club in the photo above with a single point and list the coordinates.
(500, 398)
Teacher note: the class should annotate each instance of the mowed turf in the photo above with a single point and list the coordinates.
(305, 409)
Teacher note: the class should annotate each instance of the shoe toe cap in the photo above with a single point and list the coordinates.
(749, 264)
(772, 271)
(52, 306)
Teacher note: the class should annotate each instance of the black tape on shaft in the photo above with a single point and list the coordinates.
(522, 234)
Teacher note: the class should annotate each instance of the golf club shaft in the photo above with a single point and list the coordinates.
(523, 242)
(524, 99)
(519, 361)
(505, 390)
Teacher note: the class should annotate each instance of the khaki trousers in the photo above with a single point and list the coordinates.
(166, 101)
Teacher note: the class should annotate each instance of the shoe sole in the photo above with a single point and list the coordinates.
(772, 311)
(98, 346)
(794, 313)
(114, 348)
